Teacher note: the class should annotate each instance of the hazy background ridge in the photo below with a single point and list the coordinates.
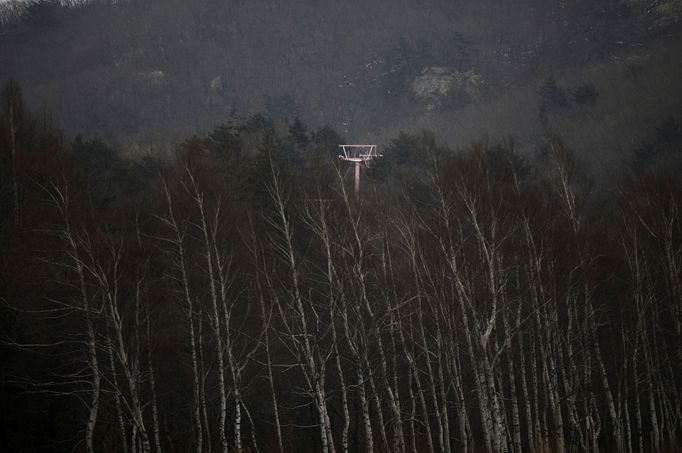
(152, 71)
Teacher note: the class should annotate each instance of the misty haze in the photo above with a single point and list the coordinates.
(340, 226)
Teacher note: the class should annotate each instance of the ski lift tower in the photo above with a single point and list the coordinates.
(358, 155)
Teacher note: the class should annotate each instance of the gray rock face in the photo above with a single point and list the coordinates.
(670, 11)
(216, 83)
(437, 83)
(12, 10)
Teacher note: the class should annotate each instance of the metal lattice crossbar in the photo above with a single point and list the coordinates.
(358, 153)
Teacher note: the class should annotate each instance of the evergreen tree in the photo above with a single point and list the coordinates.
(327, 140)
(13, 120)
(553, 96)
(298, 133)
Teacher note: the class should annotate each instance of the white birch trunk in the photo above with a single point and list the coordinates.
(152, 386)
(214, 315)
(61, 201)
(177, 241)
(309, 365)
(117, 396)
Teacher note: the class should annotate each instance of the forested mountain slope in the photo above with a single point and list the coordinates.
(146, 70)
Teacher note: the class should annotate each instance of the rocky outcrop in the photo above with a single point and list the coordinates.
(668, 11)
(438, 83)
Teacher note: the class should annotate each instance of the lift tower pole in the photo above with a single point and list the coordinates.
(358, 154)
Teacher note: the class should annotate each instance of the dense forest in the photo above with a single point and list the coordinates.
(234, 294)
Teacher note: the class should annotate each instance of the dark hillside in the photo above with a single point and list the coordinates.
(147, 70)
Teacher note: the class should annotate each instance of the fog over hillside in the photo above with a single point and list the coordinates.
(150, 70)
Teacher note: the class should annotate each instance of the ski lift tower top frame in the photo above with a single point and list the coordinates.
(358, 154)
